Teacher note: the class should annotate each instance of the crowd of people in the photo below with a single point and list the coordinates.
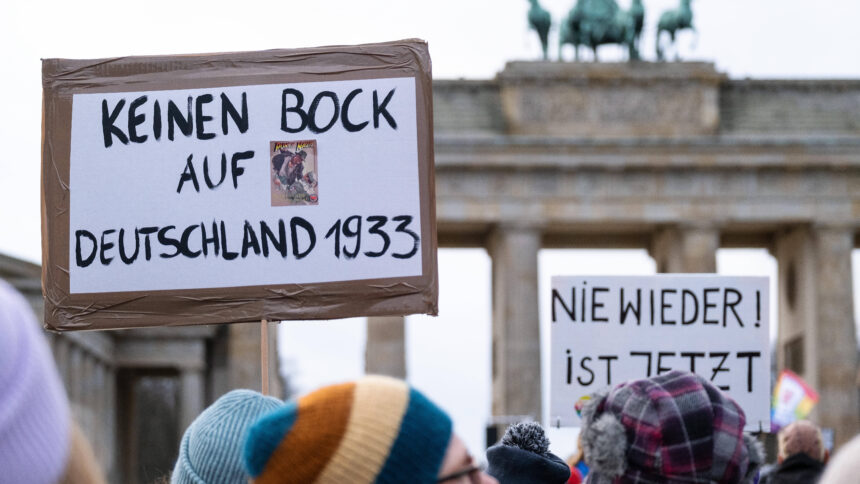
(671, 428)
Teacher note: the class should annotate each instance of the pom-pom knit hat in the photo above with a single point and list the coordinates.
(374, 430)
(211, 448)
(523, 457)
(34, 410)
(671, 428)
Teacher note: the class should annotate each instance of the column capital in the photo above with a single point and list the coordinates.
(517, 226)
(834, 226)
(821, 226)
(688, 226)
(701, 225)
(686, 247)
(503, 231)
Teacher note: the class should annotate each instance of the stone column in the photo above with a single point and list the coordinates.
(76, 375)
(61, 355)
(219, 371)
(276, 381)
(795, 255)
(817, 336)
(191, 396)
(99, 410)
(385, 352)
(243, 357)
(88, 394)
(686, 248)
(835, 337)
(112, 467)
(516, 329)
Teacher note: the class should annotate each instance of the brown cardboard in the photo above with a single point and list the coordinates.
(62, 78)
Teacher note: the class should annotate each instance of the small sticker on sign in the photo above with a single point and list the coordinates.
(294, 173)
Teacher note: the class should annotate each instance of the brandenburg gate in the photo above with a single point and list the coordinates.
(670, 157)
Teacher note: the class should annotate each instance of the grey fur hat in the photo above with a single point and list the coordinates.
(672, 428)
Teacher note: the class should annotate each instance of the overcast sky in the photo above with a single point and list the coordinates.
(471, 39)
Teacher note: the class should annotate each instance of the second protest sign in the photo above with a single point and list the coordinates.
(607, 330)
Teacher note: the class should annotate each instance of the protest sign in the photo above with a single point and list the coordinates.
(793, 399)
(607, 330)
(284, 184)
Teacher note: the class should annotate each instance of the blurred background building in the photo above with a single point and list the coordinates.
(134, 392)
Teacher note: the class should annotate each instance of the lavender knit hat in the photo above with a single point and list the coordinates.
(34, 411)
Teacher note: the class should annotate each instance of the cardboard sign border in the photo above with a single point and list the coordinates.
(63, 78)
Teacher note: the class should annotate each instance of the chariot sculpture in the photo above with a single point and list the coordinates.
(592, 23)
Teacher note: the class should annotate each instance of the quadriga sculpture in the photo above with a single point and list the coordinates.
(592, 23)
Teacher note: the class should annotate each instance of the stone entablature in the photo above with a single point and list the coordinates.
(608, 100)
(738, 183)
(777, 107)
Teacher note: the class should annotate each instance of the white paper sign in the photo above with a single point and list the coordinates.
(606, 330)
(185, 189)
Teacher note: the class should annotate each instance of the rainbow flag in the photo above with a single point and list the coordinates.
(793, 399)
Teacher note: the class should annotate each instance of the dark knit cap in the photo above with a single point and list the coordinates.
(523, 457)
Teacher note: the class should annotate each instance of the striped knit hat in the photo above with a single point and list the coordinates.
(374, 430)
(211, 448)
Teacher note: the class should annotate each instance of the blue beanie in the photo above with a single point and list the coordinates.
(211, 449)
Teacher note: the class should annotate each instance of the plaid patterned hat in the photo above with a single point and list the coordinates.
(672, 428)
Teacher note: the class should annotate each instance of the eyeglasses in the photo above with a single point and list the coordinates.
(473, 471)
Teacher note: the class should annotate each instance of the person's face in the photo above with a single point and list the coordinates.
(459, 467)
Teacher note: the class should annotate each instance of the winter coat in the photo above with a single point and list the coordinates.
(797, 469)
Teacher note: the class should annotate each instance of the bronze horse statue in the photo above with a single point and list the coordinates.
(672, 21)
(596, 22)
